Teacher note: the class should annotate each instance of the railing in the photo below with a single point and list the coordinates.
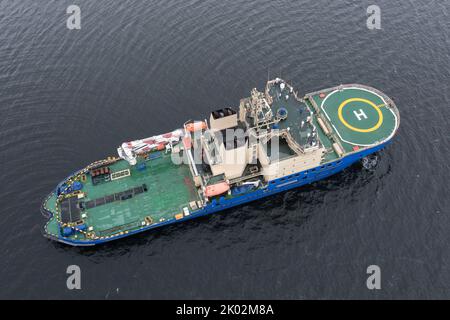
(292, 143)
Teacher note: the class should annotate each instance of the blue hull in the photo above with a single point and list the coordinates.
(274, 186)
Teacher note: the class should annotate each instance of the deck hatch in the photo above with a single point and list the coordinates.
(119, 196)
(70, 212)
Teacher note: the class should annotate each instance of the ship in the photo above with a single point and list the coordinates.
(274, 141)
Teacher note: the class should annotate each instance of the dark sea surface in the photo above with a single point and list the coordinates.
(138, 68)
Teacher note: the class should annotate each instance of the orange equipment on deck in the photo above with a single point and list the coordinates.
(196, 126)
(161, 146)
(216, 189)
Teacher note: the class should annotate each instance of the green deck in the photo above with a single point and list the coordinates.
(296, 114)
(359, 117)
(170, 188)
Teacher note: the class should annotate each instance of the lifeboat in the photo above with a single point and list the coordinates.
(216, 189)
(196, 126)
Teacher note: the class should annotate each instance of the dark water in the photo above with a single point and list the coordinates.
(138, 68)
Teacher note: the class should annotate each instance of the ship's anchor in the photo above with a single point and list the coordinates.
(369, 162)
